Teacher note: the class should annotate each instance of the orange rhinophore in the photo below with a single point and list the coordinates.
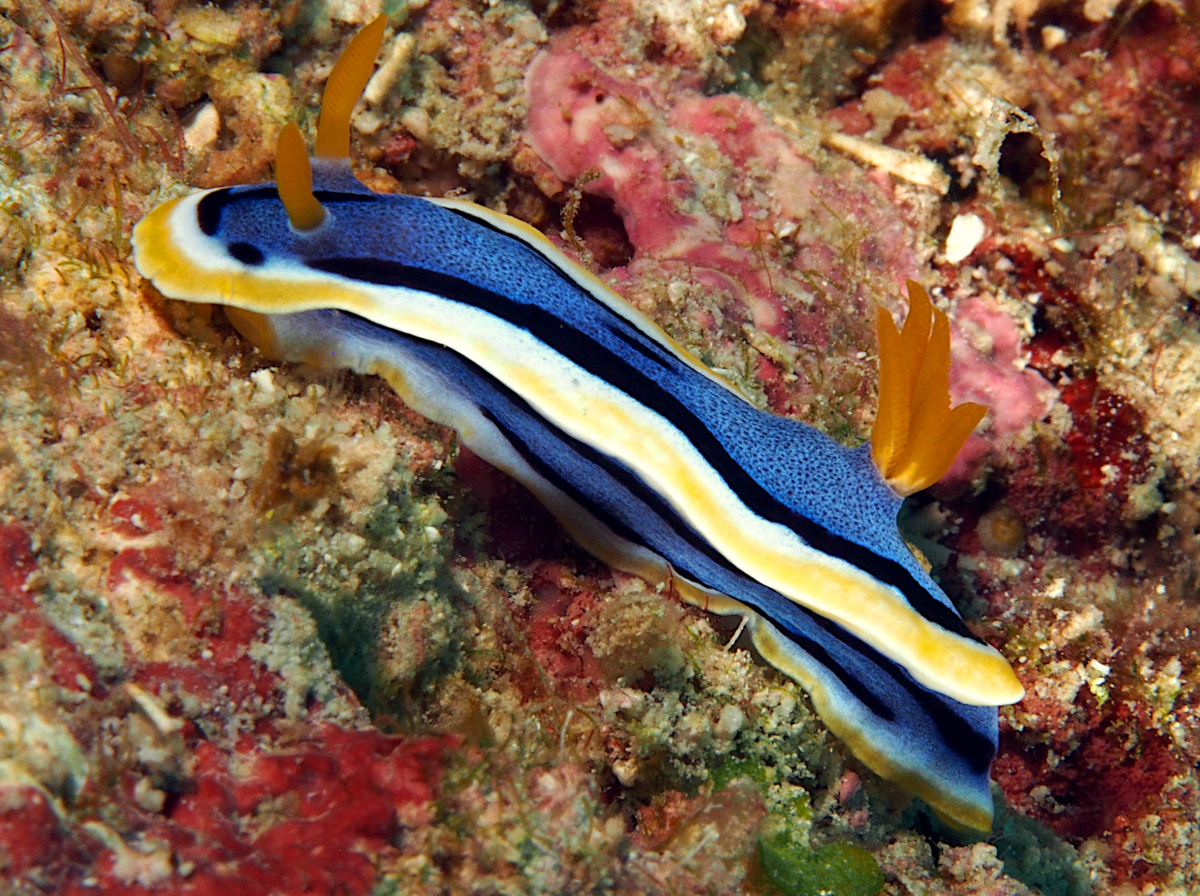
(293, 170)
(345, 85)
(294, 180)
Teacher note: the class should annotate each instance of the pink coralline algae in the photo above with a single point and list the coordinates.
(996, 376)
(268, 807)
(582, 119)
(711, 193)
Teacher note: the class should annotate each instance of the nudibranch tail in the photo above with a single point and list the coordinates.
(294, 179)
(345, 85)
(917, 434)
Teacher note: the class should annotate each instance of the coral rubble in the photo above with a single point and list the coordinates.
(267, 630)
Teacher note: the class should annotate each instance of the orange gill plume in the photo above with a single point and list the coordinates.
(917, 434)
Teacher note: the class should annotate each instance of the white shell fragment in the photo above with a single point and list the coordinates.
(202, 131)
(966, 232)
(907, 166)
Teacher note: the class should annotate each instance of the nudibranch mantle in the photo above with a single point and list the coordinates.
(649, 460)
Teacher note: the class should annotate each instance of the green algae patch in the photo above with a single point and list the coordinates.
(835, 869)
(789, 804)
(1036, 856)
(735, 767)
(380, 592)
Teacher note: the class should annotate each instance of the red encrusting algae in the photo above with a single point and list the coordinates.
(267, 806)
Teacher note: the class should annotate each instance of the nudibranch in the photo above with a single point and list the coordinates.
(648, 459)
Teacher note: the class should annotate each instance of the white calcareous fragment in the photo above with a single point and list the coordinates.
(416, 122)
(1086, 620)
(155, 712)
(388, 75)
(622, 700)
(730, 722)
(265, 381)
(1100, 10)
(905, 165)
(203, 129)
(728, 25)
(1053, 36)
(626, 771)
(966, 232)
(354, 12)
(211, 25)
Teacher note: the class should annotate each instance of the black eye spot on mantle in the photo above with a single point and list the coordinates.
(212, 206)
(246, 253)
